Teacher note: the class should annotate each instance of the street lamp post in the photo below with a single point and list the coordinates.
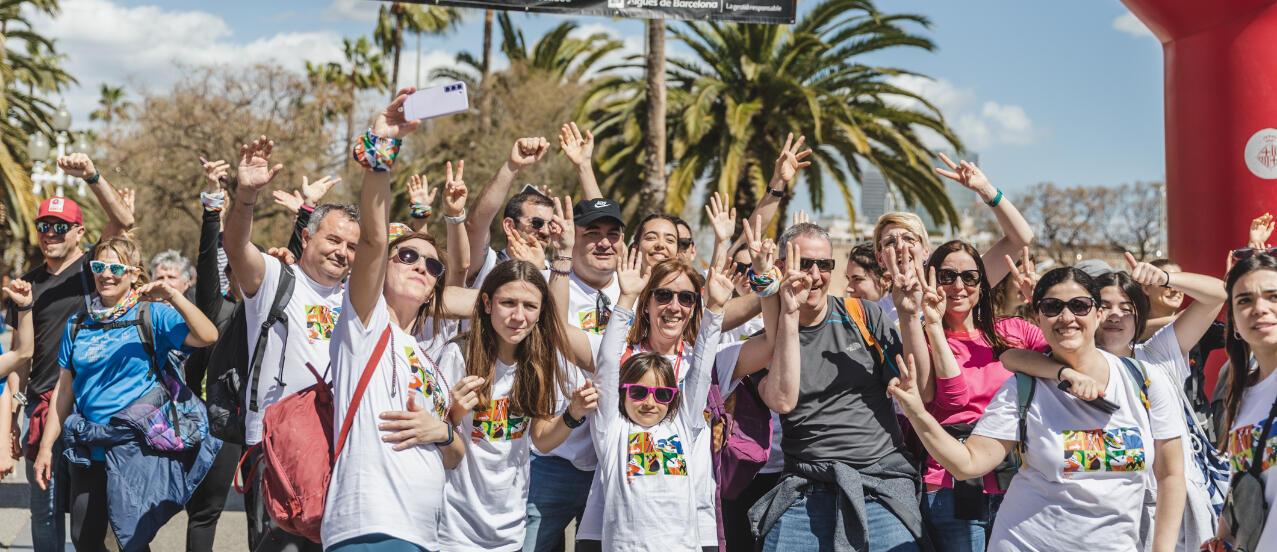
(43, 172)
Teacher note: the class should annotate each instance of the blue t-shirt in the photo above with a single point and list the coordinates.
(111, 368)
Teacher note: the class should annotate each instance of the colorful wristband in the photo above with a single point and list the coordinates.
(376, 153)
(421, 211)
(995, 201)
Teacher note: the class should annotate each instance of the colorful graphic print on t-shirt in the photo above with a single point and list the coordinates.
(1241, 447)
(320, 321)
(650, 456)
(590, 320)
(496, 423)
(425, 382)
(1095, 450)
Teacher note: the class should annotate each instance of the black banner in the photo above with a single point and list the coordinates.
(742, 11)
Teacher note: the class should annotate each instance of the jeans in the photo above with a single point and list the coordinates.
(809, 525)
(205, 506)
(263, 535)
(950, 534)
(556, 495)
(375, 543)
(48, 524)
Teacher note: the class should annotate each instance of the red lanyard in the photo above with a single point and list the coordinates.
(634, 348)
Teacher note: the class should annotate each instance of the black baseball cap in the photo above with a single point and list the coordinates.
(589, 210)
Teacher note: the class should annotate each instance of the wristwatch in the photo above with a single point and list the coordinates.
(777, 193)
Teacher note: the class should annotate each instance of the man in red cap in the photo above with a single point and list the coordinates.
(63, 287)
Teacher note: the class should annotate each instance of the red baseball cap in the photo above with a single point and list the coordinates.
(61, 208)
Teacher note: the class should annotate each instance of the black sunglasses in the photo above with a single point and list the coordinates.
(602, 311)
(685, 243)
(410, 256)
(1248, 252)
(825, 265)
(742, 268)
(59, 228)
(1051, 307)
(537, 223)
(664, 296)
(946, 276)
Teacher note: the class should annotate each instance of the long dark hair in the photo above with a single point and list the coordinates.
(1239, 374)
(432, 309)
(642, 328)
(983, 313)
(538, 371)
(640, 364)
(1133, 291)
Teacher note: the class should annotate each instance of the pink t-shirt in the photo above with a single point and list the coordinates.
(962, 399)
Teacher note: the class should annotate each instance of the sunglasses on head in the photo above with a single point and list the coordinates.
(637, 392)
(537, 223)
(117, 269)
(825, 265)
(410, 256)
(664, 296)
(59, 228)
(1051, 307)
(1248, 252)
(685, 243)
(947, 276)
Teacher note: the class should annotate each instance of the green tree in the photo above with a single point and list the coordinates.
(111, 105)
(363, 70)
(398, 18)
(746, 86)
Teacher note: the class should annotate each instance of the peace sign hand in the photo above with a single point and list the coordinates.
(933, 299)
(455, 190)
(905, 390)
(906, 286)
(969, 176)
(562, 229)
(1025, 277)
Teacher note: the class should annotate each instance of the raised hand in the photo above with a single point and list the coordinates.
(216, 172)
(905, 389)
(465, 396)
(1260, 230)
(283, 254)
(752, 237)
(157, 292)
(255, 170)
(796, 286)
(19, 293)
(968, 175)
(419, 190)
(455, 191)
(584, 400)
(390, 123)
(630, 273)
(800, 217)
(527, 151)
(529, 250)
(1024, 278)
(314, 192)
(718, 289)
(722, 219)
(562, 229)
(933, 299)
(290, 201)
(906, 286)
(791, 160)
(1146, 274)
(78, 165)
(579, 148)
(128, 196)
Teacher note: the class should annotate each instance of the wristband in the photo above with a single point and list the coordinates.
(562, 258)
(571, 422)
(214, 201)
(996, 199)
(1167, 285)
(93, 178)
(421, 210)
(306, 207)
(460, 219)
(19, 398)
(452, 434)
(768, 291)
(376, 153)
(776, 193)
(1059, 376)
(26, 308)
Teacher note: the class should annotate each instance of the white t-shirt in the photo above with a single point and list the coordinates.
(1161, 353)
(1082, 484)
(1256, 404)
(433, 342)
(645, 476)
(374, 488)
(487, 494)
(582, 302)
(313, 312)
(490, 261)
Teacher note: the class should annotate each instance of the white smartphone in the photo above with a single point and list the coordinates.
(437, 101)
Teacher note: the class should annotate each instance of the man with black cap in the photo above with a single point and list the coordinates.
(63, 289)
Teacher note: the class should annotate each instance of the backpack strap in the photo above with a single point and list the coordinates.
(359, 390)
(856, 312)
(1025, 387)
(1135, 373)
(277, 314)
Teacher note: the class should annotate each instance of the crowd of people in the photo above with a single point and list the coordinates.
(602, 383)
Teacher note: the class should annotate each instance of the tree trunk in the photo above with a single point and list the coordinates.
(350, 122)
(485, 87)
(398, 45)
(654, 187)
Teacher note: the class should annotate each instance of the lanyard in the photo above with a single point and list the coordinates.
(637, 348)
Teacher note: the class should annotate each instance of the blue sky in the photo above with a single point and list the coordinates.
(1069, 92)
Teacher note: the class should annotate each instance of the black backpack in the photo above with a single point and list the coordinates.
(230, 365)
(145, 334)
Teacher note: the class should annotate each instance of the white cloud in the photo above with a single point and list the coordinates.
(980, 124)
(352, 10)
(147, 46)
(1131, 25)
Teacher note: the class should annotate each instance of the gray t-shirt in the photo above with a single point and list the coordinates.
(843, 411)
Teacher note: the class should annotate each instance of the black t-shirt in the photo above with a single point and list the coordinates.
(58, 298)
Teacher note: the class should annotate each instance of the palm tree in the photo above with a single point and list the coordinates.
(363, 70)
(400, 17)
(111, 105)
(747, 86)
(654, 141)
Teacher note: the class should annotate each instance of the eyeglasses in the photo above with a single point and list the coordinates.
(537, 223)
(1246, 252)
(410, 256)
(59, 228)
(825, 265)
(117, 269)
(664, 296)
(602, 311)
(1051, 307)
(946, 276)
(637, 392)
(890, 241)
(742, 268)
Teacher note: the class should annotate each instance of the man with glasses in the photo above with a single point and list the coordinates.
(527, 214)
(62, 288)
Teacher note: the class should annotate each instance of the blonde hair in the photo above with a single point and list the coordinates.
(906, 220)
(128, 252)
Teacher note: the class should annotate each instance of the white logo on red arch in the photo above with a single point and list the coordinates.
(1261, 154)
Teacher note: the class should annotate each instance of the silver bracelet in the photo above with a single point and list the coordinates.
(457, 219)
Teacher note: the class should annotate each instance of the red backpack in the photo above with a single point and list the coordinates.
(296, 432)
